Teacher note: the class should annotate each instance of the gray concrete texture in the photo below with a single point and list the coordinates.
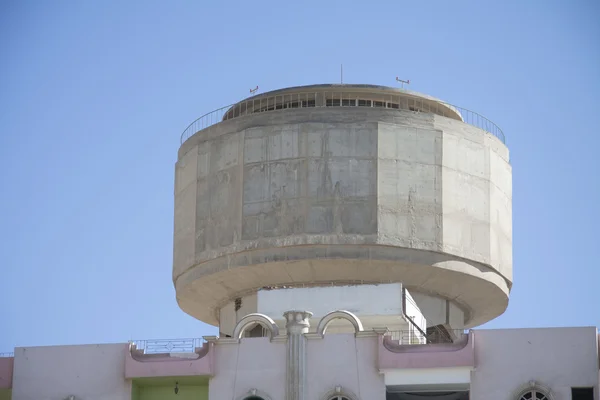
(343, 195)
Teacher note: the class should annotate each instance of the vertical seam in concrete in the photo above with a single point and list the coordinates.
(303, 153)
(488, 197)
(439, 190)
(377, 198)
(195, 210)
(241, 146)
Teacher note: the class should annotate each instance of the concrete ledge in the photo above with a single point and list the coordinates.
(478, 289)
(165, 365)
(451, 355)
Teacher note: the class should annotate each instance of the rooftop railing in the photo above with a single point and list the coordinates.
(341, 99)
(161, 346)
(413, 336)
(7, 354)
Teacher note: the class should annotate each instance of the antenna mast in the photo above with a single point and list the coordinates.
(402, 82)
(252, 91)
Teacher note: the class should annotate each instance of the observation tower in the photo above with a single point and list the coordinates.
(385, 202)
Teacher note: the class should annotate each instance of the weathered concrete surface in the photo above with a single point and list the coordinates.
(333, 194)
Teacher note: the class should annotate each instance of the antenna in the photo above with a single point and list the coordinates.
(402, 82)
(252, 91)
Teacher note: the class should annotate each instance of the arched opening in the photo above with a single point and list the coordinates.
(534, 394)
(255, 325)
(340, 314)
(256, 330)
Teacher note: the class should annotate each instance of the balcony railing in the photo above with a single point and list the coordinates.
(436, 336)
(161, 346)
(341, 99)
(7, 354)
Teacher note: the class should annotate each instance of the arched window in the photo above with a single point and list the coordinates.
(534, 394)
(339, 393)
(254, 394)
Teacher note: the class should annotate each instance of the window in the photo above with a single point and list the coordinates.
(582, 393)
(533, 395)
(256, 331)
(254, 398)
(339, 398)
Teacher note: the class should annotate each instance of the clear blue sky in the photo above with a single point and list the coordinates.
(94, 96)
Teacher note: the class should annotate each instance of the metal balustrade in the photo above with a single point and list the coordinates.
(434, 336)
(392, 102)
(160, 346)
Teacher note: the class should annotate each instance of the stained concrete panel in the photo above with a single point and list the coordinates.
(184, 223)
(409, 186)
(218, 191)
(309, 178)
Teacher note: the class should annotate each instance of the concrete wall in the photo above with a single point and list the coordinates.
(375, 305)
(362, 195)
(337, 360)
(90, 372)
(254, 363)
(229, 316)
(559, 358)
(346, 361)
(186, 392)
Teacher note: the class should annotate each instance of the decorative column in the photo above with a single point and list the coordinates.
(297, 325)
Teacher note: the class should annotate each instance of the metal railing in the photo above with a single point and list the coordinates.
(160, 346)
(435, 336)
(7, 354)
(341, 99)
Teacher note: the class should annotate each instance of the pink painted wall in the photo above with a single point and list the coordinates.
(344, 360)
(169, 366)
(257, 363)
(559, 358)
(6, 372)
(254, 363)
(90, 372)
(427, 356)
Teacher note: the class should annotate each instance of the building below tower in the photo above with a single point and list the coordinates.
(315, 362)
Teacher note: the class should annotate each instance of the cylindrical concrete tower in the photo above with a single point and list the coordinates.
(343, 186)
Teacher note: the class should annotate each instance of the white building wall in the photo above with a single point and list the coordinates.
(559, 358)
(88, 372)
(254, 363)
(346, 361)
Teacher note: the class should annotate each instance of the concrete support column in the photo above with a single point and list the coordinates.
(297, 325)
